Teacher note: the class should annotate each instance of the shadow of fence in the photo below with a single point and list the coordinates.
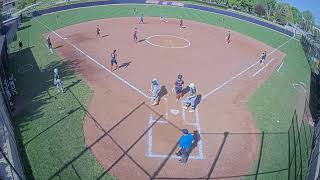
(296, 146)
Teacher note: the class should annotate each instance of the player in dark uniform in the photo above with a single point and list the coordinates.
(228, 38)
(135, 35)
(20, 45)
(49, 44)
(98, 31)
(114, 60)
(178, 87)
(141, 19)
(263, 57)
(181, 23)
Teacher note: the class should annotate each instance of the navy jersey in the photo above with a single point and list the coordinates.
(179, 83)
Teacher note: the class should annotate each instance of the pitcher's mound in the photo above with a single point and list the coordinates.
(168, 41)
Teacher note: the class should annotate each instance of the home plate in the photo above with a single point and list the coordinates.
(174, 111)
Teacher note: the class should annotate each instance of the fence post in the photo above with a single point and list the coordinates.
(294, 146)
(299, 143)
(259, 160)
(14, 169)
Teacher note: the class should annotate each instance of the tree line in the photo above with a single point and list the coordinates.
(272, 10)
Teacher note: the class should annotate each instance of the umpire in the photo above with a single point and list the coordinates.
(185, 143)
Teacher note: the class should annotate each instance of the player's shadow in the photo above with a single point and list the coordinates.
(57, 47)
(185, 90)
(125, 65)
(163, 92)
(196, 137)
(106, 35)
(141, 40)
(198, 100)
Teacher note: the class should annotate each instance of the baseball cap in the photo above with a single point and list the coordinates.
(185, 131)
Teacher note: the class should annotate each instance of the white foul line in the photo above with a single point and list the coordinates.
(228, 81)
(278, 70)
(99, 64)
(239, 74)
(256, 73)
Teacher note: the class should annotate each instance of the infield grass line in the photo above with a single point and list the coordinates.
(256, 73)
(241, 72)
(95, 61)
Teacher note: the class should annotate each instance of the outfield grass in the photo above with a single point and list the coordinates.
(63, 141)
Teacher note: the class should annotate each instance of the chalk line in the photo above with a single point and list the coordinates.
(95, 61)
(295, 85)
(167, 108)
(278, 70)
(256, 73)
(200, 145)
(173, 156)
(240, 73)
(183, 116)
(150, 119)
(176, 47)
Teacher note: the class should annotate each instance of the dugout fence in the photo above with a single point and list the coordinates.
(312, 50)
(11, 167)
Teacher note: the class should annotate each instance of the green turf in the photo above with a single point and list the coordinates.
(52, 149)
(50, 124)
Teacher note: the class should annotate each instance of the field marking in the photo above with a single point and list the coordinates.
(166, 108)
(301, 85)
(150, 119)
(174, 47)
(256, 73)
(240, 73)
(150, 141)
(95, 61)
(173, 156)
(280, 66)
(200, 145)
(183, 116)
(296, 85)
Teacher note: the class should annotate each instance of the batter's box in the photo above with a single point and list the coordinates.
(163, 139)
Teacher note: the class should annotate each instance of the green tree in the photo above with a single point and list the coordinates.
(283, 13)
(269, 6)
(248, 5)
(260, 10)
(297, 15)
(308, 20)
(233, 3)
